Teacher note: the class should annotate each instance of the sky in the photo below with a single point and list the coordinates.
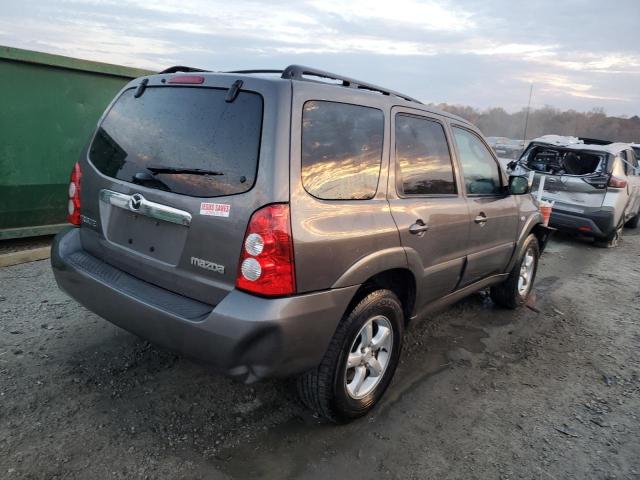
(578, 54)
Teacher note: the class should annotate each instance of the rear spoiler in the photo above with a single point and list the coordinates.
(180, 68)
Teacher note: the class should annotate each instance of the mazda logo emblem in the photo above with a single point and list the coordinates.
(136, 201)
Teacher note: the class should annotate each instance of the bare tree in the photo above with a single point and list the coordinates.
(549, 120)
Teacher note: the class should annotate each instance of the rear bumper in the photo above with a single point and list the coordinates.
(598, 223)
(243, 336)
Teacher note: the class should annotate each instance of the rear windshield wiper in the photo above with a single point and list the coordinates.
(178, 170)
(144, 178)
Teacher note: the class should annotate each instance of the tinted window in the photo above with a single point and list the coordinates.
(142, 139)
(423, 162)
(341, 150)
(630, 163)
(625, 162)
(479, 169)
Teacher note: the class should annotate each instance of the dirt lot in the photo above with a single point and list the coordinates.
(481, 392)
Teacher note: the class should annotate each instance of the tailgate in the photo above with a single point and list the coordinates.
(171, 181)
(574, 178)
(570, 192)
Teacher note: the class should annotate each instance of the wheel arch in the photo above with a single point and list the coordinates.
(401, 281)
(534, 225)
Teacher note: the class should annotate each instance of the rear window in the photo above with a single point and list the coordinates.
(341, 150)
(559, 161)
(183, 140)
(423, 161)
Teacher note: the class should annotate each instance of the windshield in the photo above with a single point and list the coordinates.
(182, 139)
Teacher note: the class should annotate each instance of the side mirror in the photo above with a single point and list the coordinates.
(519, 185)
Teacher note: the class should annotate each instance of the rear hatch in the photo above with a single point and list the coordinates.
(174, 173)
(575, 178)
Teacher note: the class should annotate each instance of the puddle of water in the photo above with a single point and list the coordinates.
(542, 285)
(417, 367)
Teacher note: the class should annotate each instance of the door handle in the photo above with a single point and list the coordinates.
(418, 228)
(481, 219)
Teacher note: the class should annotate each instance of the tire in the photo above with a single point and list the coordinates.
(611, 241)
(633, 222)
(509, 293)
(326, 389)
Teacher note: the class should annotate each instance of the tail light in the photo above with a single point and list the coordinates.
(616, 182)
(266, 262)
(73, 205)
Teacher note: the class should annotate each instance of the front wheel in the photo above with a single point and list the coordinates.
(360, 361)
(515, 291)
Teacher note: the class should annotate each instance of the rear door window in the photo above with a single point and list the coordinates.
(479, 169)
(423, 161)
(636, 151)
(630, 162)
(341, 150)
(182, 139)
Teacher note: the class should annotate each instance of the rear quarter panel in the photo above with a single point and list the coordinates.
(331, 236)
(619, 200)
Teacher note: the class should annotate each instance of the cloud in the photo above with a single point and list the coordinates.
(430, 15)
(479, 52)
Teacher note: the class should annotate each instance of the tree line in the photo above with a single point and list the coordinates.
(497, 122)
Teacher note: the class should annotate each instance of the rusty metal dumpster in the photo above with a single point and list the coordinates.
(50, 106)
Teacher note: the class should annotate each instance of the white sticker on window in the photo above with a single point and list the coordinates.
(215, 209)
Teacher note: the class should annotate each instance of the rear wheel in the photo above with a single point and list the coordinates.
(611, 241)
(515, 291)
(633, 222)
(360, 361)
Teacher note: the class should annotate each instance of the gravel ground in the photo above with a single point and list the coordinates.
(547, 392)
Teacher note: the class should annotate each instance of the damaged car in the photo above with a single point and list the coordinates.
(594, 185)
(290, 225)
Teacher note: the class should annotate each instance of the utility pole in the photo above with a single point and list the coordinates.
(526, 118)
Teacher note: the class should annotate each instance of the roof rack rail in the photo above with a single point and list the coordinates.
(299, 72)
(180, 68)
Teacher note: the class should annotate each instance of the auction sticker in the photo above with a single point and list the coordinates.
(215, 209)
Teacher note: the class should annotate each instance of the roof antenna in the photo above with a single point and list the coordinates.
(234, 89)
(526, 119)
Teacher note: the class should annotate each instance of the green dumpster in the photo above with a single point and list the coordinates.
(50, 106)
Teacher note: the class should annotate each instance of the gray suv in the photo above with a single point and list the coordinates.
(289, 224)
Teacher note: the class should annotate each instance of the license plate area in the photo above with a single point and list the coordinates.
(150, 237)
